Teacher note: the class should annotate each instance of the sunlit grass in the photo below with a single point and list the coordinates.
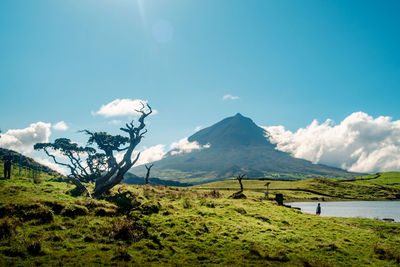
(159, 225)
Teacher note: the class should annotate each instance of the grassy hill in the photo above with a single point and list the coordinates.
(381, 186)
(23, 165)
(41, 224)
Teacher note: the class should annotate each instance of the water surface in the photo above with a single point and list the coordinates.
(366, 209)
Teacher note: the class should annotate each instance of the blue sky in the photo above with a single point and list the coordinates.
(289, 62)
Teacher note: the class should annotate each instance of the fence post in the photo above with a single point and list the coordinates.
(20, 164)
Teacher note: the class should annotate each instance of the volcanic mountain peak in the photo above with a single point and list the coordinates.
(231, 132)
(237, 146)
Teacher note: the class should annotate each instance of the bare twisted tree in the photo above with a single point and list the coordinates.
(87, 165)
(148, 172)
(239, 194)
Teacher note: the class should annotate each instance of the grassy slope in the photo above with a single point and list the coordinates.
(185, 227)
(385, 186)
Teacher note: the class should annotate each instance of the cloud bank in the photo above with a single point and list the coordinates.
(158, 152)
(22, 140)
(360, 143)
(230, 97)
(184, 146)
(60, 126)
(151, 154)
(121, 107)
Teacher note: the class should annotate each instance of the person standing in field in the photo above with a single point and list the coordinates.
(318, 211)
(7, 166)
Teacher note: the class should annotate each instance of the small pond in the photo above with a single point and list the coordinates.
(366, 209)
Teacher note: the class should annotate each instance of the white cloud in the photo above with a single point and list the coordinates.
(158, 152)
(230, 97)
(184, 146)
(147, 155)
(22, 140)
(121, 107)
(151, 154)
(60, 126)
(198, 128)
(360, 143)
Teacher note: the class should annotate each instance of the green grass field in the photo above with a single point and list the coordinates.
(385, 187)
(41, 224)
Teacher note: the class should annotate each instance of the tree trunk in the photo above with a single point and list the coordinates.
(80, 188)
(148, 173)
(241, 185)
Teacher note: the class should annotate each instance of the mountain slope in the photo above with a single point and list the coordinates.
(237, 145)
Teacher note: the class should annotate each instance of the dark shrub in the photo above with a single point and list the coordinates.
(240, 210)
(7, 210)
(55, 238)
(238, 195)
(74, 210)
(212, 194)
(121, 255)
(7, 228)
(14, 252)
(129, 230)
(37, 180)
(103, 212)
(39, 213)
(384, 252)
(88, 239)
(150, 208)
(264, 219)
(35, 248)
(55, 206)
(125, 201)
(329, 246)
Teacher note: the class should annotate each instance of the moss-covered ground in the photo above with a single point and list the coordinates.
(42, 224)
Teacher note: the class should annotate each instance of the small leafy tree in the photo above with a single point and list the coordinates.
(86, 164)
